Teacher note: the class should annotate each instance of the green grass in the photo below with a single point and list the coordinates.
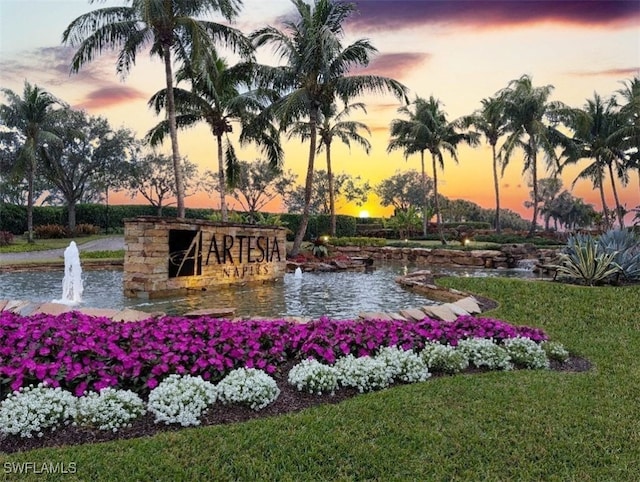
(20, 244)
(524, 425)
(115, 254)
(451, 244)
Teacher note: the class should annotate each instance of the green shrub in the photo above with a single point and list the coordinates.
(6, 238)
(86, 230)
(13, 219)
(358, 241)
(319, 225)
(50, 231)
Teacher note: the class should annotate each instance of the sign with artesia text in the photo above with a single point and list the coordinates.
(166, 256)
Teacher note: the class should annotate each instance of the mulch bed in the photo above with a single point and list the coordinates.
(290, 400)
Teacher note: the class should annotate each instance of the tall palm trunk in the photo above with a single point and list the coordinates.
(615, 196)
(332, 194)
(436, 202)
(222, 181)
(173, 131)
(534, 177)
(424, 195)
(30, 178)
(496, 186)
(605, 209)
(297, 242)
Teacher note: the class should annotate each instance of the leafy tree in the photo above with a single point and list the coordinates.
(491, 122)
(29, 116)
(315, 74)
(215, 98)
(461, 210)
(88, 149)
(152, 177)
(527, 109)
(403, 190)
(347, 187)
(427, 129)
(173, 28)
(332, 124)
(257, 184)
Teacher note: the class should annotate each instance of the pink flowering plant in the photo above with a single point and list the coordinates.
(83, 353)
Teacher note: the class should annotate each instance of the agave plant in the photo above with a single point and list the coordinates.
(584, 261)
(626, 245)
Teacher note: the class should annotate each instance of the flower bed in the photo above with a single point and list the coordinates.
(182, 371)
(79, 352)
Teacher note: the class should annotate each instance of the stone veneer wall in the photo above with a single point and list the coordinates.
(507, 257)
(167, 256)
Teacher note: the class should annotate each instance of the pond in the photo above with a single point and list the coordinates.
(338, 295)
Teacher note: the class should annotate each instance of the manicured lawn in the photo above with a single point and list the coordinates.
(20, 244)
(523, 425)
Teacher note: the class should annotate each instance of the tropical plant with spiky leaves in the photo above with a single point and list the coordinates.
(315, 73)
(582, 260)
(175, 31)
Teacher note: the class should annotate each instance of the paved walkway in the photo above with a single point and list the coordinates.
(111, 243)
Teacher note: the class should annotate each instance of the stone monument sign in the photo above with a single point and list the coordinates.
(168, 256)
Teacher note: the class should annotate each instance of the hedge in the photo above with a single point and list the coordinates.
(14, 218)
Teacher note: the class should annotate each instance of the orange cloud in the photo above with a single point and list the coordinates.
(618, 73)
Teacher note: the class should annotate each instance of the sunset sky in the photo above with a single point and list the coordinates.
(458, 51)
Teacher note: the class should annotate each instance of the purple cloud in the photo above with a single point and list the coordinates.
(109, 96)
(395, 65)
(393, 14)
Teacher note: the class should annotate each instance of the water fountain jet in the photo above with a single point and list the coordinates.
(72, 281)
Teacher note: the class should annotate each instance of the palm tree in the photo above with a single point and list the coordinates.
(172, 28)
(315, 74)
(427, 129)
(629, 135)
(527, 107)
(215, 98)
(491, 122)
(595, 128)
(29, 114)
(332, 125)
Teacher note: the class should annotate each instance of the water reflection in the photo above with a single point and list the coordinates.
(339, 295)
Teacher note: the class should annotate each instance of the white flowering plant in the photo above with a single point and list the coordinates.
(526, 353)
(181, 399)
(110, 409)
(555, 350)
(31, 410)
(403, 365)
(444, 358)
(485, 353)
(364, 373)
(248, 386)
(314, 377)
